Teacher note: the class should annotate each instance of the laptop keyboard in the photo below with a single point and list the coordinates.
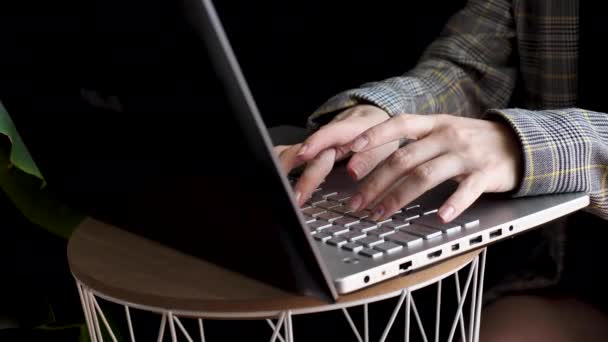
(331, 222)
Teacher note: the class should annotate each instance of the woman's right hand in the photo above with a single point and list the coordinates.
(330, 144)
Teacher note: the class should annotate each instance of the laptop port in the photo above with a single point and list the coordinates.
(434, 254)
(456, 247)
(475, 240)
(405, 266)
(366, 279)
(496, 233)
(510, 228)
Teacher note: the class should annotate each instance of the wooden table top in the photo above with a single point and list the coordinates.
(131, 269)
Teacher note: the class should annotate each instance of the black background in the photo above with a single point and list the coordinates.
(296, 54)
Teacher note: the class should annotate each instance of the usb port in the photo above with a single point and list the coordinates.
(456, 247)
(435, 254)
(405, 266)
(475, 240)
(496, 233)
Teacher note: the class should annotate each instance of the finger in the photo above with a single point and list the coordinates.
(362, 163)
(422, 179)
(467, 192)
(396, 166)
(408, 126)
(288, 158)
(333, 134)
(314, 173)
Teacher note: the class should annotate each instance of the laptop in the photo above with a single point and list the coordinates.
(137, 113)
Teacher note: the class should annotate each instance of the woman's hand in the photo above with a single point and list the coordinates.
(330, 144)
(483, 156)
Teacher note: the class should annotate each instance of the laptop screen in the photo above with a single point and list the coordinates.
(127, 120)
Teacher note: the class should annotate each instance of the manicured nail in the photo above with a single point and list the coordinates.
(356, 170)
(446, 213)
(377, 213)
(359, 144)
(355, 202)
(302, 150)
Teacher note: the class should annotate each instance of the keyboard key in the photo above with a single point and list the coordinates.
(343, 209)
(361, 214)
(320, 236)
(340, 197)
(406, 215)
(388, 247)
(353, 235)
(306, 206)
(314, 212)
(404, 239)
(326, 195)
(435, 221)
(335, 230)
(382, 231)
(328, 204)
(424, 232)
(466, 221)
(379, 221)
(336, 241)
(318, 225)
(352, 246)
(329, 216)
(371, 253)
(363, 226)
(426, 211)
(370, 241)
(316, 197)
(346, 221)
(309, 219)
(395, 224)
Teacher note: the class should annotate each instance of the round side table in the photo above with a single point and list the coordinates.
(138, 274)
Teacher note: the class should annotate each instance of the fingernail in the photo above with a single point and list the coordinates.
(356, 170)
(359, 144)
(355, 202)
(377, 213)
(298, 196)
(446, 213)
(302, 150)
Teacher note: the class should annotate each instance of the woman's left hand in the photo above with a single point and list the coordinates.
(483, 156)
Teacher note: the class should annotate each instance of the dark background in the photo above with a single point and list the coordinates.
(296, 54)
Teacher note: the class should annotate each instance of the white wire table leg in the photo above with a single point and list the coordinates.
(85, 310)
(408, 304)
(289, 327)
(419, 321)
(462, 300)
(352, 324)
(273, 327)
(388, 327)
(460, 315)
(103, 319)
(366, 322)
(277, 328)
(438, 311)
(161, 329)
(172, 326)
(95, 319)
(201, 330)
(473, 302)
(129, 323)
(479, 297)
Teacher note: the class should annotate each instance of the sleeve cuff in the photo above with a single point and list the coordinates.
(551, 148)
(378, 94)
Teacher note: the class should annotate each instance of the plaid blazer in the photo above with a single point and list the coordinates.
(472, 69)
